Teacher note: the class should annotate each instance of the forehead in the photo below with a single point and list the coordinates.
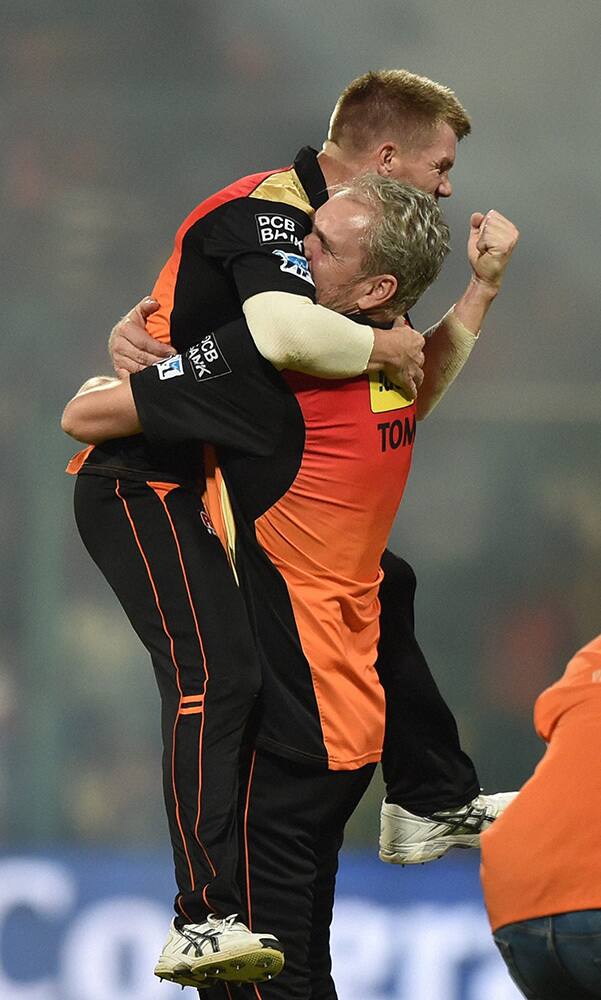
(342, 213)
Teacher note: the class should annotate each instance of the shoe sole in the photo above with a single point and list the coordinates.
(420, 854)
(255, 966)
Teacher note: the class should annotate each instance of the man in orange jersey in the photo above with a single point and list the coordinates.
(315, 471)
(541, 864)
(235, 253)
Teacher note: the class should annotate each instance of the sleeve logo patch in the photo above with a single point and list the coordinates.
(170, 367)
(278, 229)
(292, 263)
(207, 360)
(384, 395)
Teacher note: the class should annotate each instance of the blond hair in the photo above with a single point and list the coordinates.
(406, 236)
(387, 102)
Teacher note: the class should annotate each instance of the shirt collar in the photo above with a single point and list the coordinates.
(311, 177)
(364, 320)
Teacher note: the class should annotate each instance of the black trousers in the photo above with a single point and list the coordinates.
(424, 767)
(170, 574)
(292, 819)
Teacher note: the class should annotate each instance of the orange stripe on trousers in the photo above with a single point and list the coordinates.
(161, 490)
(177, 677)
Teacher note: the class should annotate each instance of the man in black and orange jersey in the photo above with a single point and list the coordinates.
(241, 250)
(315, 471)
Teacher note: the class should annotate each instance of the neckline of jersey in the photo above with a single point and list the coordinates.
(311, 177)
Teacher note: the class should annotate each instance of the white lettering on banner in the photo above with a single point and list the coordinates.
(105, 935)
(50, 891)
(363, 959)
(491, 980)
(416, 953)
(108, 946)
(449, 939)
(95, 942)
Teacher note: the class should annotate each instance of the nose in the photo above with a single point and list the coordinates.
(445, 188)
(308, 244)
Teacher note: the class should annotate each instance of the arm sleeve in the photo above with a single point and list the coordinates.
(261, 245)
(219, 391)
(448, 346)
(292, 332)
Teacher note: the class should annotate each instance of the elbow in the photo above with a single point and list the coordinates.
(72, 423)
(67, 421)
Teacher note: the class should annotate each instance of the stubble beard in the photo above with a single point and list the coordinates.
(341, 299)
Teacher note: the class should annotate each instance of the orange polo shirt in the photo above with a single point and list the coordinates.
(543, 855)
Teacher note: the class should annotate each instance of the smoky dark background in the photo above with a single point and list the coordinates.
(117, 118)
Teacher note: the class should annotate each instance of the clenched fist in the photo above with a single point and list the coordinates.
(491, 243)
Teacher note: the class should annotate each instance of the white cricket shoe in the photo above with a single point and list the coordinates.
(199, 955)
(407, 839)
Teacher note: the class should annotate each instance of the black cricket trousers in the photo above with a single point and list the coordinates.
(424, 767)
(154, 545)
(292, 818)
(156, 548)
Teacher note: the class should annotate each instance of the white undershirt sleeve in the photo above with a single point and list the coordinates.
(293, 332)
(448, 346)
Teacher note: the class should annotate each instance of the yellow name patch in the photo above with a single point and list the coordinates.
(384, 395)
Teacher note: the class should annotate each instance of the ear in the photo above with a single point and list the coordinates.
(377, 292)
(387, 155)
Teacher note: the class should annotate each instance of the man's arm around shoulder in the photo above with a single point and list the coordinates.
(102, 409)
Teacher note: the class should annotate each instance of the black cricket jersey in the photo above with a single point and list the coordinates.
(246, 239)
(315, 471)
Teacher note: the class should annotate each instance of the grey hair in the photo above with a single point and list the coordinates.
(406, 236)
